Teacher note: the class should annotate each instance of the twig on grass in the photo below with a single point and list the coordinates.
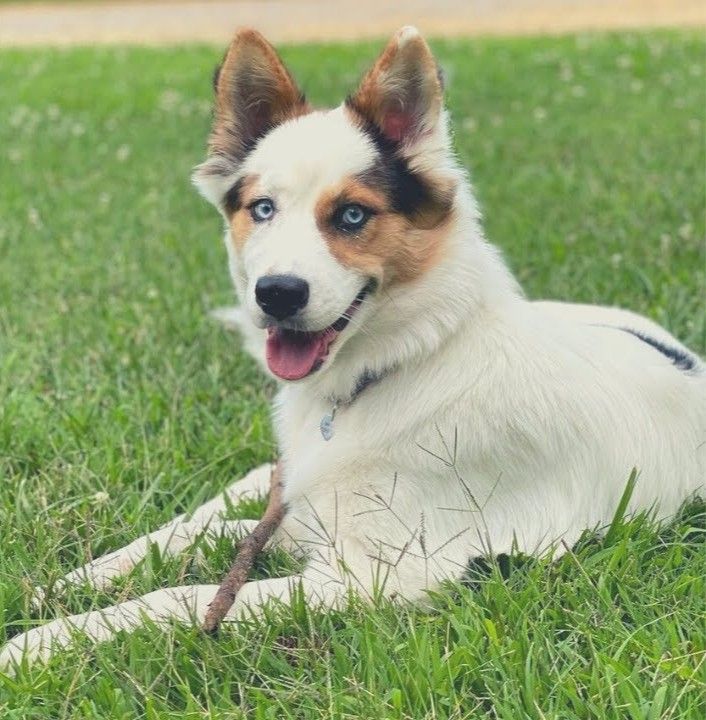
(250, 546)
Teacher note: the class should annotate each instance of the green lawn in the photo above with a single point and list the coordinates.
(121, 404)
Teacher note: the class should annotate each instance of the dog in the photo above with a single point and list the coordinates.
(427, 412)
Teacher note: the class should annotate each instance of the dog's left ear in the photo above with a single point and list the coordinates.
(403, 93)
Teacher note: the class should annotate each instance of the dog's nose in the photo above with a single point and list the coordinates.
(281, 296)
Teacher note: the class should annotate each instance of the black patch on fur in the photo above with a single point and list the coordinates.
(480, 569)
(682, 361)
(248, 145)
(410, 194)
(233, 201)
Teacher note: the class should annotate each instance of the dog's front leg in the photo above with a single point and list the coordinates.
(175, 536)
(40, 643)
(180, 604)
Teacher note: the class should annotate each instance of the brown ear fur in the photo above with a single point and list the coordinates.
(402, 93)
(254, 93)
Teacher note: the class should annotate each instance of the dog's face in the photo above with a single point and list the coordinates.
(326, 209)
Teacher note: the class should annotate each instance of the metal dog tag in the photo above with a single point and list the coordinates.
(326, 424)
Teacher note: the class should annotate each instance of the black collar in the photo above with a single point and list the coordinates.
(366, 379)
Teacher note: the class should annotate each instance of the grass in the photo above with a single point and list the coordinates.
(121, 404)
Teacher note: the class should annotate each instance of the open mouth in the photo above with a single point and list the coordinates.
(292, 355)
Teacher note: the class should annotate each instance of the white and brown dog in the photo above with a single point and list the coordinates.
(428, 412)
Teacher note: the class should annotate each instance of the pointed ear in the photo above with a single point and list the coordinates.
(254, 93)
(402, 95)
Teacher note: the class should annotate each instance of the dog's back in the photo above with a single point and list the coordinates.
(664, 383)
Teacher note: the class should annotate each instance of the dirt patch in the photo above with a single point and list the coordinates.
(179, 21)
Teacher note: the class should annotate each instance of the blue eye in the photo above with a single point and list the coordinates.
(262, 210)
(351, 217)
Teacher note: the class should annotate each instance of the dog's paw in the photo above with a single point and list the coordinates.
(99, 573)
(231, 317)
(180, 604)
(35, 645)
(41, 643)
(199, 532)
(237, 319)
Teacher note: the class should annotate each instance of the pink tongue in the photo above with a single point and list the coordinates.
(292, 356)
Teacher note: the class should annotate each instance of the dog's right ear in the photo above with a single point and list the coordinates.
(254, 93)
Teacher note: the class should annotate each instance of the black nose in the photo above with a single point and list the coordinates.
(281, 296)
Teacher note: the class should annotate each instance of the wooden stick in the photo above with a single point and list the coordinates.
(250, 546)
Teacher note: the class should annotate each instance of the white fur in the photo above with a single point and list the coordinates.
(500, 423)
(295, 164)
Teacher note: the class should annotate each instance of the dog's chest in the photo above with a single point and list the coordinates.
(312, 430)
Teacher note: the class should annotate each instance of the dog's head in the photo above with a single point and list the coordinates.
(327, 210)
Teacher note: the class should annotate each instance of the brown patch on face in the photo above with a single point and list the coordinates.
(390, 247)
(236, 204)
(423, 199)
(241, 225)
